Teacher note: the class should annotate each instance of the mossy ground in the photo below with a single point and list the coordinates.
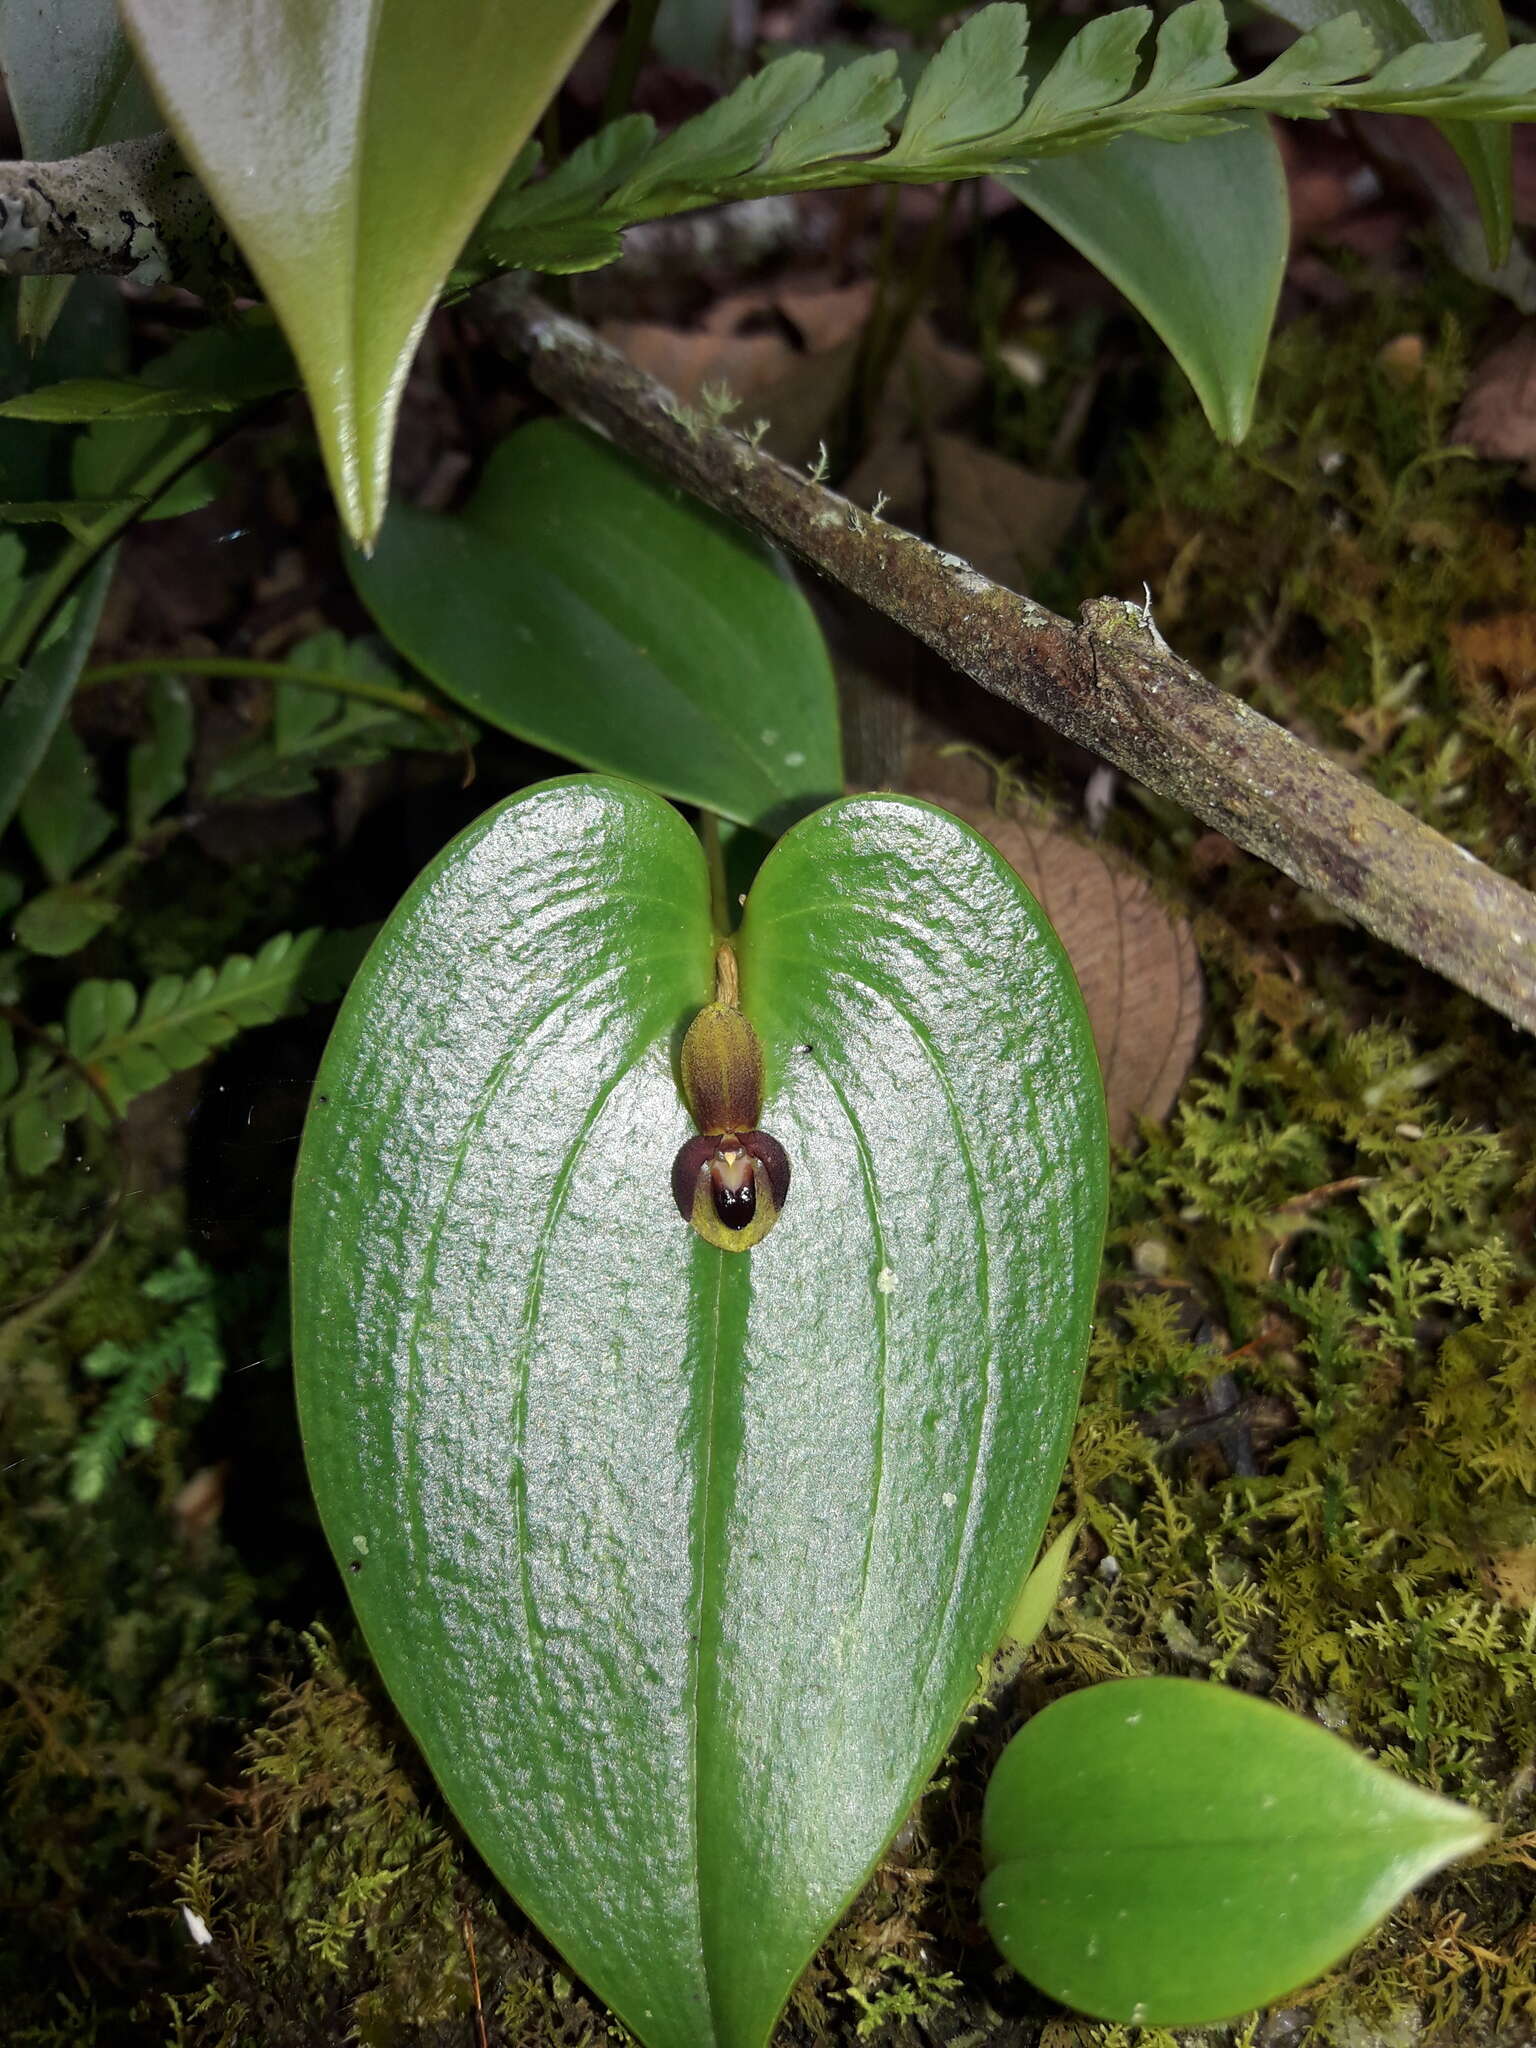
(1306, 1455)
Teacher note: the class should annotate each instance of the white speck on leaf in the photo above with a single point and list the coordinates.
(886, 1281)
(360, 1545)
(197, 1927)
(948, 1499)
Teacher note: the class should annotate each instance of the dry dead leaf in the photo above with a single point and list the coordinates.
(1512, 1577)
(1006, 520)
(1498, 414)
(1504, 646)
(747, 345)
(1135, 962)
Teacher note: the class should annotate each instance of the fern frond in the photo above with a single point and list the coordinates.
(117, 1042)
(975, 112)
(186, 1349)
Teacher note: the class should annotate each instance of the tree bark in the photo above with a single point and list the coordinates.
(1108, 681)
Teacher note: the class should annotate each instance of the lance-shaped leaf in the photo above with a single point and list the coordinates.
(1195, 234)
(351, 146)
(583, 604)
(679, 1562)
(1170, 1852)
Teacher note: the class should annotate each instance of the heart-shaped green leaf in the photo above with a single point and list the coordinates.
(679, 1562)
(351, 146)
(584, 605)
(1172, 1852)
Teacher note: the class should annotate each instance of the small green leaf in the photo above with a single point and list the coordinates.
(849, 114)
(1173, 1853)
(1191, 53)
(37, 1136)
(314, 731)
(1195, 234)
(580, 184)
(1095, 70)
(730, 136)
(37, 702)
(1425, 67)
(62, 920)
(1042, 1589)
(351, 147)
(111, 398)
(697, 1550)
(558, 248)
(1296, 82)
(61, 813)
(157, 764)
(585, 606)
(973, 88)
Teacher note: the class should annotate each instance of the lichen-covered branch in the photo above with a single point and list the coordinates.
(129, 209)
(1107, 681)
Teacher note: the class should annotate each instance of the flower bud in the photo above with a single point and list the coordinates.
(722, 1066)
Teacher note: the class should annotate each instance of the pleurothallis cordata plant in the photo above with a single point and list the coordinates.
(679, 1542)
(679, 1552)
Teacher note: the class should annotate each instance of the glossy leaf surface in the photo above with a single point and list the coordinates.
(680, 1562)
(1173, 1852)
(585, 605)
(1195, 234)
(351, 145)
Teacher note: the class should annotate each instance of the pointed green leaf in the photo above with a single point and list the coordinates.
(730, 136)
(972, 89)
(1296, 82)
(585, 606)
(1095, 70)
(1398, 24)
(1042, 1589)
(37, 702)
(1195, 234)
(63, 919)
(351, 147)
(1191, 52)
(678, 1562)
(849, 114)
(1173, 1852)
(577, 187)
(157, 764)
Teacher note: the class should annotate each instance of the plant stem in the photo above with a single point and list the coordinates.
(639, 22)
(28, 622)
(1107, 680)
(714, 860)
(410, 701)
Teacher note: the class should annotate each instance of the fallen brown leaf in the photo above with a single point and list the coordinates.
(1512, 1576)
(1504, 646)
(1006, 520)
(1498, 414)
(789, 356)
(1135, 962)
